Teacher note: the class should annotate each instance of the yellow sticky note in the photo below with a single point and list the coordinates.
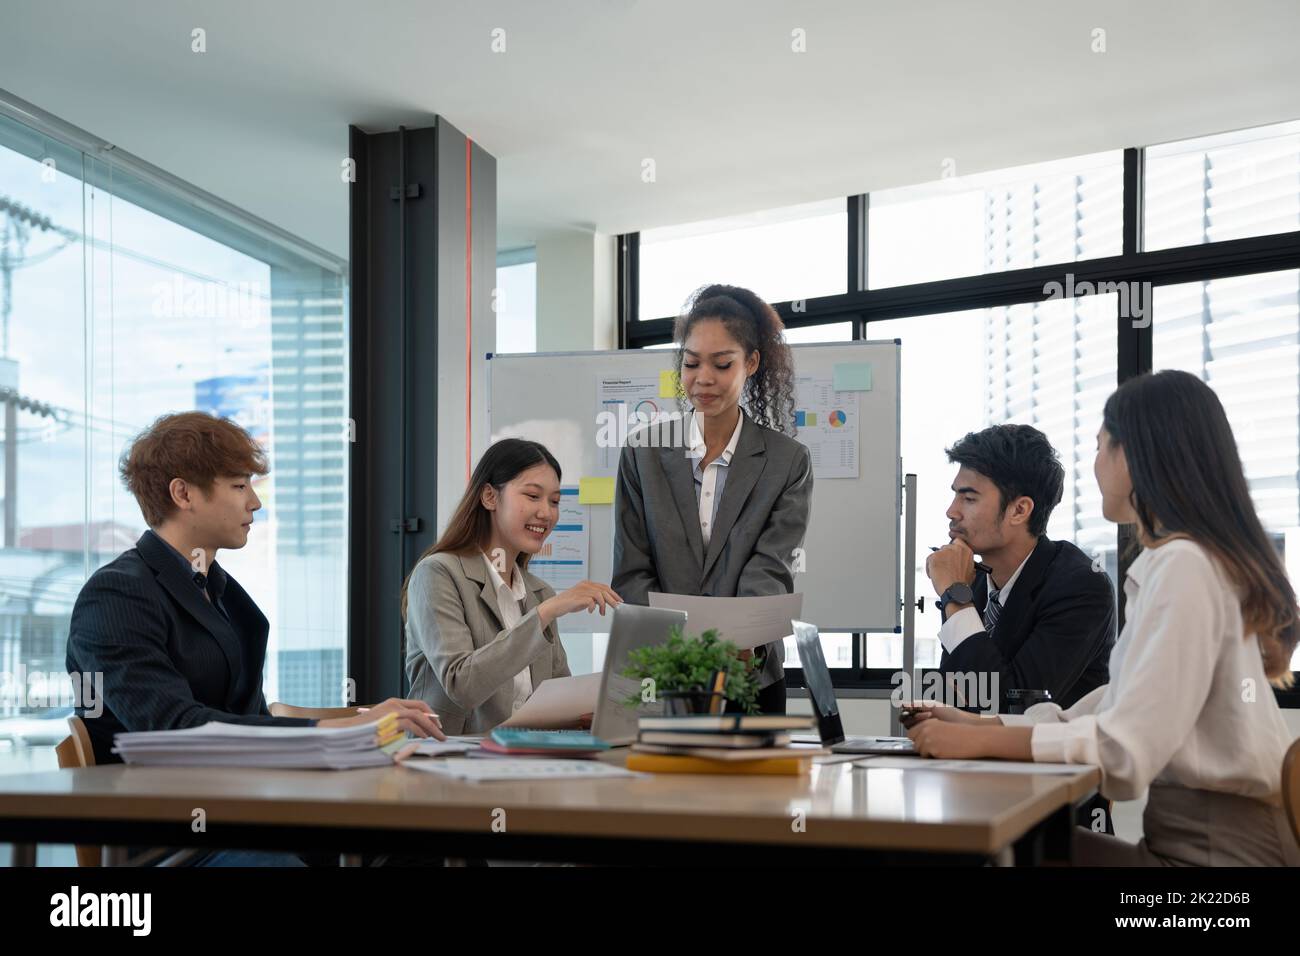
(668, 383)
(595, 491)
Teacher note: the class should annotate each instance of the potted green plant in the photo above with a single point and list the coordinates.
(683, 667)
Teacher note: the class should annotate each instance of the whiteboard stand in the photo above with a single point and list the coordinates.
(909, 600)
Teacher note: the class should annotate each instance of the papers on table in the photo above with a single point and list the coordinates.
(558, 703)
(967, 766)
(747, 622)
(517, 768)
(429, 747)
(218, 744)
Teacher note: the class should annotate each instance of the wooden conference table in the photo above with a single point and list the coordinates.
(838, 814)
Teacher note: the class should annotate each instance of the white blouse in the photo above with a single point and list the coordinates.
(1187, 704)
(508, 598)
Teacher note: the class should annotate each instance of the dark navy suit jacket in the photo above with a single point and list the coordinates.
(1055, 633)
(168, 656)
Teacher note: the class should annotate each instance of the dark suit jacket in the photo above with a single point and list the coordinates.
(1055, 632)
(168, 657)
(762, 519)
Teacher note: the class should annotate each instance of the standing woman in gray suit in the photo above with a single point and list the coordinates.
(718, 507)
(480, 630)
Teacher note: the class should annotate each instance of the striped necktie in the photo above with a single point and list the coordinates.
(992, 611)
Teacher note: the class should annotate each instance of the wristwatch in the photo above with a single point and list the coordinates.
(959, 593)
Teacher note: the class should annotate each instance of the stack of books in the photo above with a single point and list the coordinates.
(722, 743)
(250, 745)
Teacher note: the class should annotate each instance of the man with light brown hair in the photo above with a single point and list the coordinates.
(179, 643)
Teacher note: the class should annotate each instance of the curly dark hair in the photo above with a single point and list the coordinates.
(769, 392)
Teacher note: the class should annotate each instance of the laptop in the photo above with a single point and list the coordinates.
(634, 626)
(817, 678)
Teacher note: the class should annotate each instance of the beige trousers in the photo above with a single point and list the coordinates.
(1186, 827)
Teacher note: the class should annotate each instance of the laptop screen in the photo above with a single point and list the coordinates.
(816, 675)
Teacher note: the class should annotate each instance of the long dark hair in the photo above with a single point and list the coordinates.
(769, 392)
(1188, 481)
(470, 527)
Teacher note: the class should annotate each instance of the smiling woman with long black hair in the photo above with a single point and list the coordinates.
(1188, 711)
(480, 629)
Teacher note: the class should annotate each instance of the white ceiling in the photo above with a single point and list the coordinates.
(585, 91)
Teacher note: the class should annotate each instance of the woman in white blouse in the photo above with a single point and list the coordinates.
(1211, 622)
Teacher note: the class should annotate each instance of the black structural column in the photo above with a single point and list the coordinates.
(414, 238)
(1134, 335)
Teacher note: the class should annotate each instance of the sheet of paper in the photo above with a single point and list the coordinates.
(745, 621)
(562, 561)
(428, 747)
(558, 703)
(624, 404)
(520, 768)
(967, 766)
(826, 421)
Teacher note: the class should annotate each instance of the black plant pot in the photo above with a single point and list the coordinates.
(680, 702)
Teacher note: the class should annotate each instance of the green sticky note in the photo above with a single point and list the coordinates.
(595, 491)
(853, 377)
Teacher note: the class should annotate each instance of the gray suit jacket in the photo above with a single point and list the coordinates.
(762, 518)
(459, 657)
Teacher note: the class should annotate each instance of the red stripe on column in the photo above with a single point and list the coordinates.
(469, 301)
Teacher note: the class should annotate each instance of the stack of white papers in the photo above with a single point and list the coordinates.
(967, 766)
(246, 745)
(516, 768)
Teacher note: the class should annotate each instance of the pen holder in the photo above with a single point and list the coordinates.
(680, 702)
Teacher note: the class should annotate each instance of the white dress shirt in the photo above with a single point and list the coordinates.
(1188, 703)
(710, 480)
(967, 621)
(508, 599)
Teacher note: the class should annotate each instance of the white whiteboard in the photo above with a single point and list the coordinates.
(850, 580)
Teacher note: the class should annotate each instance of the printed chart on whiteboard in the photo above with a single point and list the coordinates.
(827, 423)
(624, 404)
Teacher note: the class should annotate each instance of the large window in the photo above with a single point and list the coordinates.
(961, 270)
(1061, 211)
(122, 300)
(1242, 337)
(1050, 365)
(784, 254)
(515, 301)
(1221, 187)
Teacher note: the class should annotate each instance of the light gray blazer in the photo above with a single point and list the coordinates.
(763, 517)
(459, 657)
